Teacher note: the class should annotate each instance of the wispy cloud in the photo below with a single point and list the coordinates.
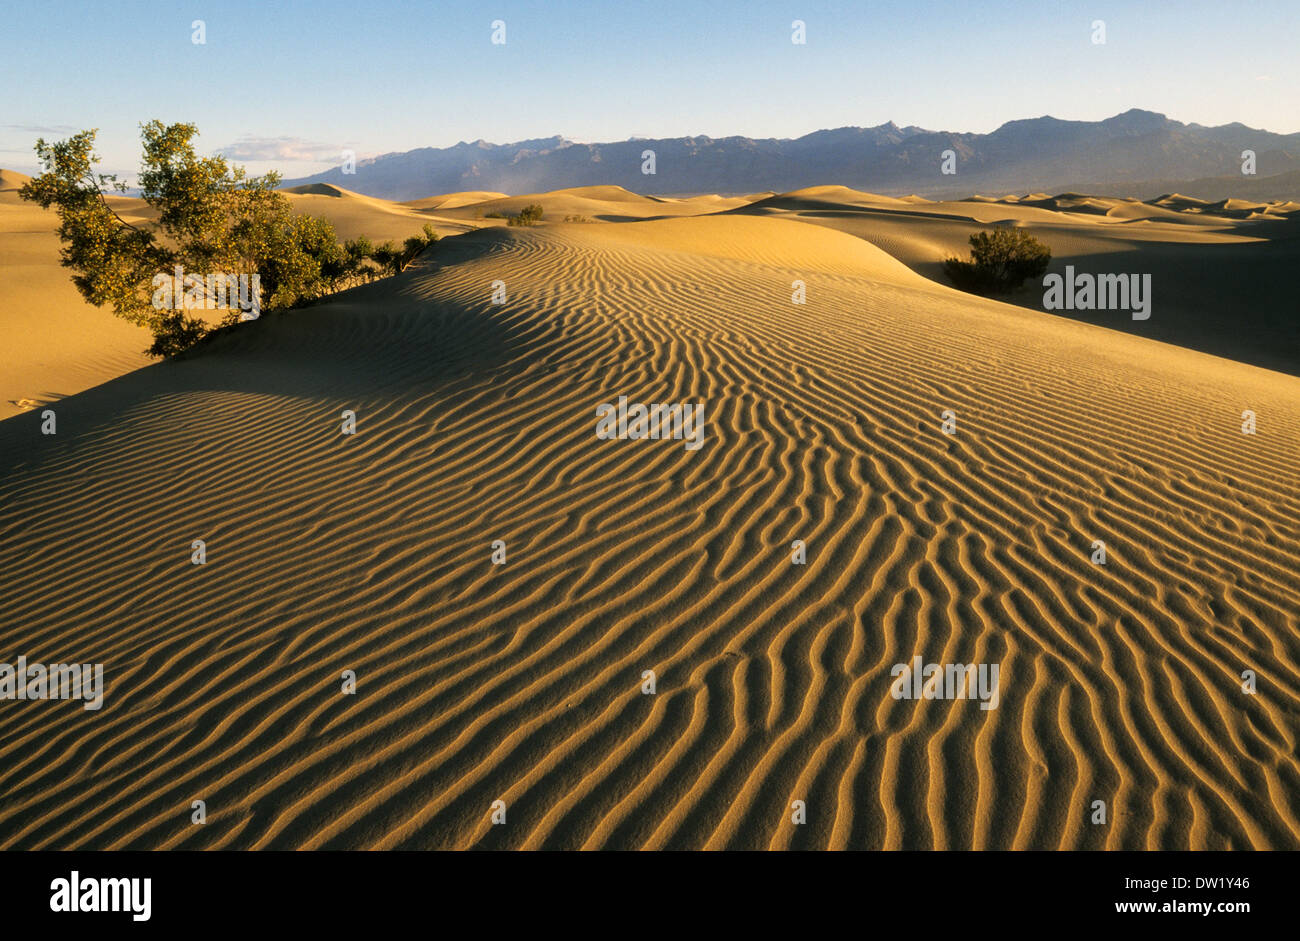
(281, 148)
(41, 128)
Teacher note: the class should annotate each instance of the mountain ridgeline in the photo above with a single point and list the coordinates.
(1138, 153)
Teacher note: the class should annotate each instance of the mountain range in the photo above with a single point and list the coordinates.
(1137, 153)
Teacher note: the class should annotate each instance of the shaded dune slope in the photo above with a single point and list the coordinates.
(522, 682)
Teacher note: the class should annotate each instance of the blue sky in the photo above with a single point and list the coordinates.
(290, 85)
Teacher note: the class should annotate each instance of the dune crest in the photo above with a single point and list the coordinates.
(12, 180)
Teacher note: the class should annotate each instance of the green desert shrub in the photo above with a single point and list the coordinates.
(215, 224)
(416, 244)
(1001, 261)
(392, 258)
(529, 215)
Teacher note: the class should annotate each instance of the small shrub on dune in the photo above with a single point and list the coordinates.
(529, 215)
(416, 244)
(1001, 261)
(387, 256)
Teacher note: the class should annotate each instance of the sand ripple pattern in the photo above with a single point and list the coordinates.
(522, 682)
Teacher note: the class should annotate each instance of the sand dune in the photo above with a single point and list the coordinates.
(12, 180)
(1220, 274)
(841, 194)
(321, 189)
(1207, 258)
(54, 343)
(353, 214)
(1179, 201)
(594, 203)
(57, 344)
(454, 200)
(522, 682)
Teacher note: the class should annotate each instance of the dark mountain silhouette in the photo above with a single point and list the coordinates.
(1120, 155)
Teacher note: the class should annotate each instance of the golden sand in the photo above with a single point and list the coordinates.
(522, 682)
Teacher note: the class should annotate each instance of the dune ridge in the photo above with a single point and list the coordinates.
(12, 180)
(522, 682)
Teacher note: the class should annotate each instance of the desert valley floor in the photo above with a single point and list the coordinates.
(522, 682)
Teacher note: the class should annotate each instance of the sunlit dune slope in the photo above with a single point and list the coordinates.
(52, 342)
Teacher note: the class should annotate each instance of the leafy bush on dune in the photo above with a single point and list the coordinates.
(213, 219)
(392, 258)
(529, 215)
(1001, 261)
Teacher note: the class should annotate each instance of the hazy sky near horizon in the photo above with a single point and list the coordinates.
(290, 85)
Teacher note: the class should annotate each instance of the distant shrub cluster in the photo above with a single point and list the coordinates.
(578, 219)
(212, 217)
(529, 215)
(1001, 261)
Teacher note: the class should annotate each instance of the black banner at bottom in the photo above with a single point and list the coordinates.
(630, 891)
